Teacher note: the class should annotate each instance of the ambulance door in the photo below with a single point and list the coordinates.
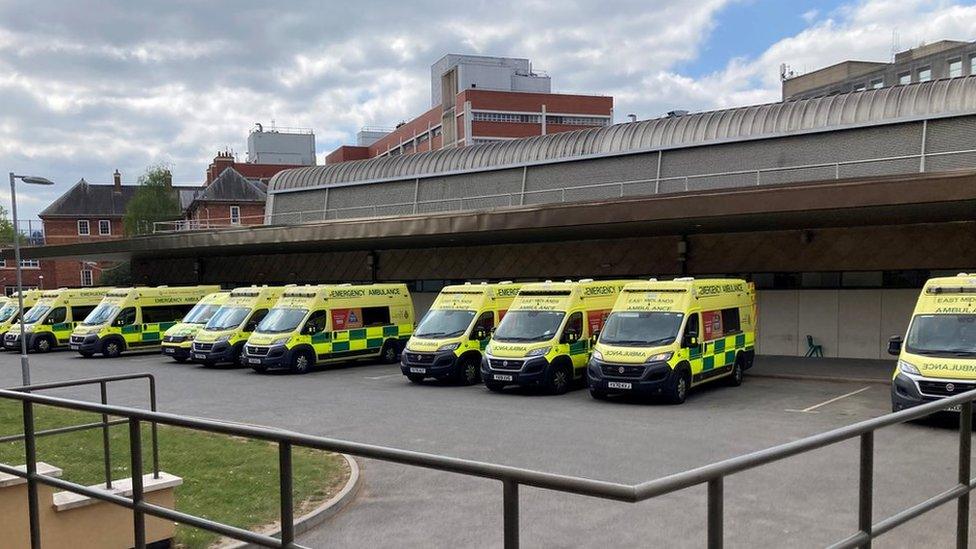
(574, 335)
(691, 341)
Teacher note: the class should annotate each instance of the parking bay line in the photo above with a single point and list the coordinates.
(385, 376)
(810, 410)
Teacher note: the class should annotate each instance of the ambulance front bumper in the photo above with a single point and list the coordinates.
(264, 357)
(212, 353)
(83, 343)
(11, 341)
(514, 371)
(646, 380)
(909, 390)
(428, 364)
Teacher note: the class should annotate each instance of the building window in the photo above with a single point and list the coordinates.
(11, 290)
(104, 227)
(235, 215)
(478, 116)
(435, 132)
(30, 264)
(422, 138)
(859, 87)
(86, 277)
(972, 64)
(578, 120)
(905, 78)
(878, 83)
(84, 228)
(924, 74)
(955, 67)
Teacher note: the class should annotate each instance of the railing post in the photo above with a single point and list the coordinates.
(836, 170)
(106, 444)
(30, 458)
(285, 481)
(152, 427)
(686, 183)
(135, 455)
(716, 536)
(965, 457)
(510, 502)
(865, 499)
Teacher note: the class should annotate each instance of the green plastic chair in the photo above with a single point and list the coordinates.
(813, 349)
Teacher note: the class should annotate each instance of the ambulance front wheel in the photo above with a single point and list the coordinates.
(558, 379)
(302, 362)
(390, 353)
(677, 391)
(469, 370)
(112, 348)
(43, 344)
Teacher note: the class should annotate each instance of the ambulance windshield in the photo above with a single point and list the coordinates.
(36, 313)
(943, 335)
(641, 329)
(101, 315)
(8, 311)
(281, 320)
(227, 318)
(201, 313)
(444, 323)
(529, 326)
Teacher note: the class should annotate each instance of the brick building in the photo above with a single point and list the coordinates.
(228, 199)
(477, 100)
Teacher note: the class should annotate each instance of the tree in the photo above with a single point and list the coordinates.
(116, 276)
(154, 201)
(6, 228)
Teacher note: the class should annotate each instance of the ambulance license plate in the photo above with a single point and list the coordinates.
(254, 361)
(619, 385)
(500, 377)
(169, 351)
(418, 371)
(74, 347)
(199, 356)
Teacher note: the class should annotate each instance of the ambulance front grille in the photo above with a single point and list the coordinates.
(505, 364)
(619, 370)
(420, 358)
(203, 346)
(77, 339)
(944, 388)
(257, 351)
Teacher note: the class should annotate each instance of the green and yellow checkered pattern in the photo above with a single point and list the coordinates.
(719, 353)
(358, 341)
(145, 335)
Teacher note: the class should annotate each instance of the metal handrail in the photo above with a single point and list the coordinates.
(518, 198)
(104, 424)
(712, 475)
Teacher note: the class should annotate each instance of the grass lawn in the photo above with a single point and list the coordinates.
(227, 479)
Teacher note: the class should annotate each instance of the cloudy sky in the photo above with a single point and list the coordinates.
(87, 87)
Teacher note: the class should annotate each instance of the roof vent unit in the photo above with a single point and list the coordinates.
(505, 282)
(652, 279)
(677, 113)
(685, 279)
(585, 280)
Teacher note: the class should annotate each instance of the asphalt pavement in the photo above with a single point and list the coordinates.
(806, 501)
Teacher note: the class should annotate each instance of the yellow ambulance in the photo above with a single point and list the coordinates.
(544, 339)
(10, 312)
(330, 323)
(178, 339)
(134, 319)
(48, 324)
(449, 340)
(937, 356)
(664, 337)
(222, 339)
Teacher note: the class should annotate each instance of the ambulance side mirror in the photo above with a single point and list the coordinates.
(479, 333)
(571, 336)
(894, 345)
(691, 341)
(595, 336)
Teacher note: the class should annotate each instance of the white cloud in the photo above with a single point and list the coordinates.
(124, 88)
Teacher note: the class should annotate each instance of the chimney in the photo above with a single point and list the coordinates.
(117, 177)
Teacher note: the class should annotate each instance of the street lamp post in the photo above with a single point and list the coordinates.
(30, 180)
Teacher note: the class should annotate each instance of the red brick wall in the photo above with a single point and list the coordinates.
(532, 102)
(258, 171)
(252, 213)
(66, 273)
(407, 131)
(346, 153)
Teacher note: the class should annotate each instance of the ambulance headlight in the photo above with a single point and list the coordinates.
(190, 337)
(908, 368)
(541, 351)
(661, 357)
(597, 355)
(280, 341)
(223, 339)
(448, 347)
